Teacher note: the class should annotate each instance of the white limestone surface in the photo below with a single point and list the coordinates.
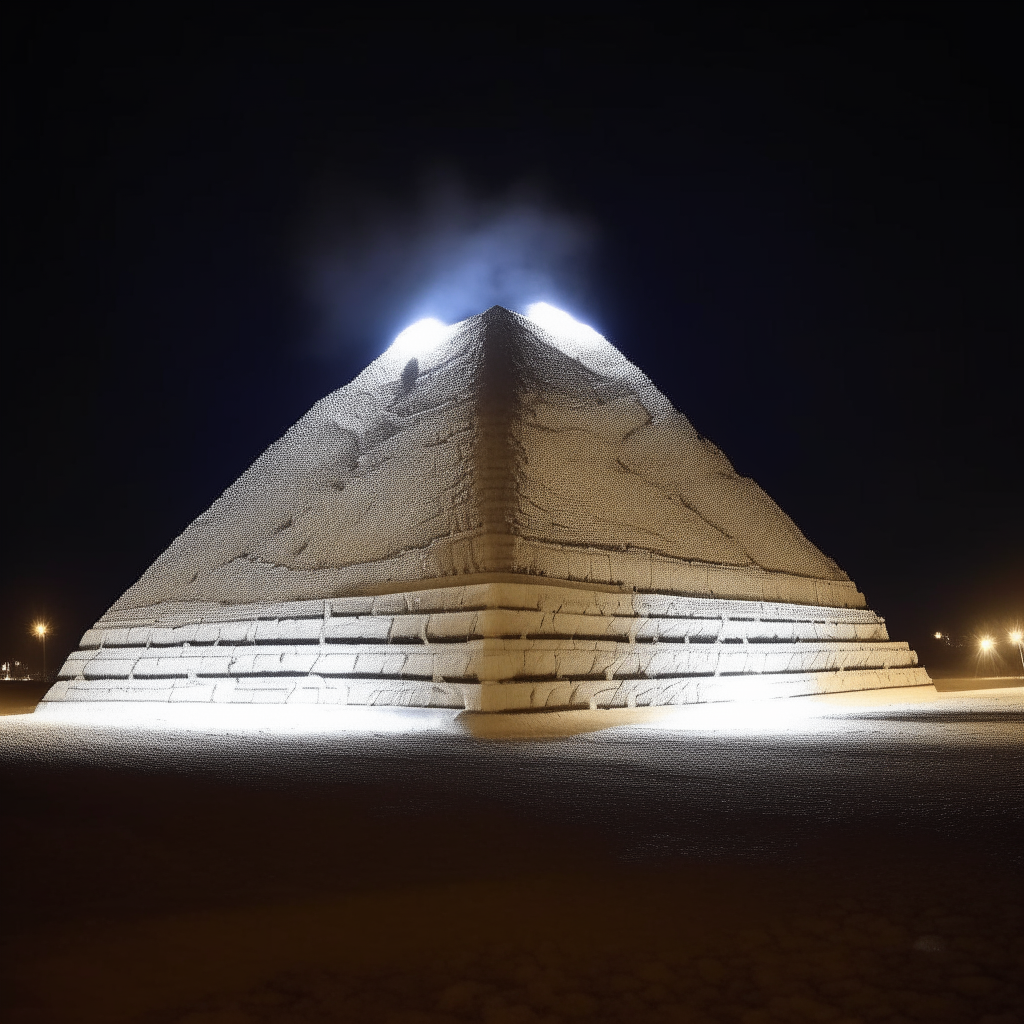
(504, 449)
(514, 519)
(494, 646)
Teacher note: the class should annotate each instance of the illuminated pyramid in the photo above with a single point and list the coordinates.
(503, 514)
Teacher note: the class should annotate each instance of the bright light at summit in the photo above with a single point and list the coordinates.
(557, 321)
(419, 338)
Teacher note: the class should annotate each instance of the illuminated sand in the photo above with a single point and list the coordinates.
(842, 858)
(852, 714)
(515, 518)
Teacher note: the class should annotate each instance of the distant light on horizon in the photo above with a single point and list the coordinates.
(557, 321)
(938, 636)
(1016, 638)
(420, 338)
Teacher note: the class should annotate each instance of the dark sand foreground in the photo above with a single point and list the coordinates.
(861, 864)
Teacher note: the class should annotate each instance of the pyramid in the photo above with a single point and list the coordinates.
(516, 518)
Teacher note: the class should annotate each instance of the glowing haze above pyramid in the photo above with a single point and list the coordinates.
(437, 515)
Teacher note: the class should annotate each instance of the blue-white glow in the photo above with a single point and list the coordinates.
(557, 321)
(419, 338)
(449, 253)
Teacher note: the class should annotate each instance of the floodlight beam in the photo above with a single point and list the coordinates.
(419, 338)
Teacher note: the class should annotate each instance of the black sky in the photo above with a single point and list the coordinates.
(806, 231)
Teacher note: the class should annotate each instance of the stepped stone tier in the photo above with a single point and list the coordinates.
(516, 518)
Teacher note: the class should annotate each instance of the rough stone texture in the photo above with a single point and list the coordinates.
(515, 519)
(506, 449)
(493, 646)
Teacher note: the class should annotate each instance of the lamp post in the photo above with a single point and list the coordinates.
(41, 629)
(1016, 637)
(985, 645)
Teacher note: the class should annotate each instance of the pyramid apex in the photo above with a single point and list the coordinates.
(497, 313)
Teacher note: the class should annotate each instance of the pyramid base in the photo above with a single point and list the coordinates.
(642, 693)
(498, 697)
(489, 647)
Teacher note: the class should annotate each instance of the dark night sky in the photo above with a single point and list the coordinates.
(806, 232)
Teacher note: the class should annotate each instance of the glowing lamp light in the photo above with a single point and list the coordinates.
(419, 338)
(1015, 638)
(938, 636)
(40, 629)
(985, 643)
(557, 321)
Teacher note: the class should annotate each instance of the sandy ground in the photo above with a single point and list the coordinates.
(20, 698)
(851, 859)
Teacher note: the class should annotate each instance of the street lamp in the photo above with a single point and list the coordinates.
(41, 629)
(985, 645)
(1016, 637)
